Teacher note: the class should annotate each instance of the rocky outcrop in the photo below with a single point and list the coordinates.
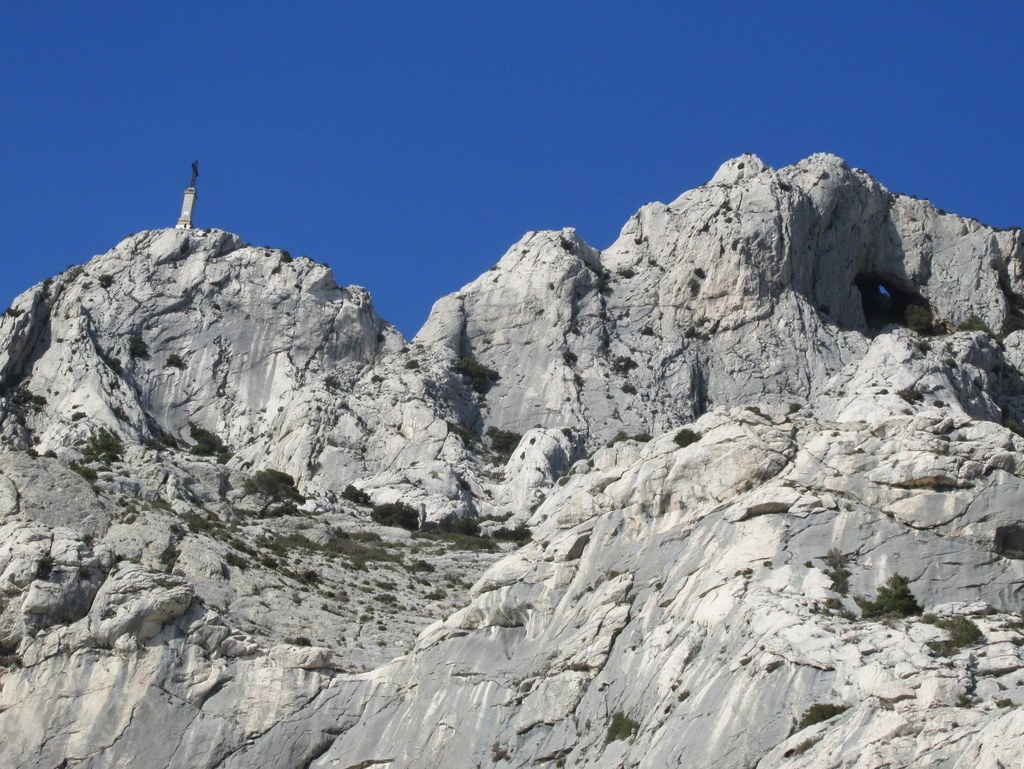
(759, 285)
(722, 437)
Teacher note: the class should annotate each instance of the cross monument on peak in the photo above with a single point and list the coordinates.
(189, 203)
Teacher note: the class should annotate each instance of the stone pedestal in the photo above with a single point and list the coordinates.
(187, 207)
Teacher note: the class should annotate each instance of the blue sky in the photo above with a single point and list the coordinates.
(409, 144)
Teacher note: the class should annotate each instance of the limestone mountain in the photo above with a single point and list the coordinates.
(680, 502)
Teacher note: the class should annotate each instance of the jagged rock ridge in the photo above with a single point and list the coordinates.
(684, 599)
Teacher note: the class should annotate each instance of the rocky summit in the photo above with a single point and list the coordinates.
(744, 489)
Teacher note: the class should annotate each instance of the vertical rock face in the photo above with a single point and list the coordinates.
(181, 327)
(751, 287)
(741, 449)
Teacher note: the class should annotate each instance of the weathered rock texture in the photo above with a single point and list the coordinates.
(720, 432)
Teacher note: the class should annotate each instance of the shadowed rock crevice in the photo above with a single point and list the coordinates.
(886, 302)
(1009, 541)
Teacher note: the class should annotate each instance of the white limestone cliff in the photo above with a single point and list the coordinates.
(729, 441)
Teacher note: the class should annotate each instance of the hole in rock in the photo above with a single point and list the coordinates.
(1009, 541)
(884, 302)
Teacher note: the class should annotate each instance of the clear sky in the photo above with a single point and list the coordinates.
(409, 144)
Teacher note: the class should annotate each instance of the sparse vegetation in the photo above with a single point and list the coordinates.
(479, 376)
(623, 364)
(103, 447)
(396, 514)
(919, 319)
(685, 437)
(207, 444)
(356, 495)
(837, 561)
(137, 347)
(818, 712)
(25, 397)
(105, 281)
(44, 567)
(503, 442)
(976, 324)
(910, 394)
(622, 727)
(275, 488)
(962, 632)
(174, 361)
(894, 600)
(520, 534)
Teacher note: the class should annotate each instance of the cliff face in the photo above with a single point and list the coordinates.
(721, 436)
(750, 288)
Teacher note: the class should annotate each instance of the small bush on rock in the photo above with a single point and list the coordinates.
(208, 445)
(503, 442)
(818, 712)
(276, 488)
(894, 600)
(479, 376)
(622, 727)
(685, 437)
(102, 447)
(974, 323)
(396, 514)
(137, 347)
(962, 632)
(355, 495)
(919, 319)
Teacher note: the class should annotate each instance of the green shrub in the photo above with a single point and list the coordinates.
(469, 438)
(962, 632)
(894, 600)
(974, 323)
(103, 446)
(622, 727)
(910, 395)
(569, 358)
(623, 364)
(460, 525)
(207, 444)
(234, 559)
(479, 376)
(837, 571)
(503, 442)
(620, 436)
(276, 488)
(520, 533)
(137, 347)
(818, 712)
(919, 319)
(86, 472)
(299, 640)
(396, 514)
(685, 437)
(25, 397)
(174, 361)
(44, 567)
(106, 281)
(1011, 324)
(355, 495)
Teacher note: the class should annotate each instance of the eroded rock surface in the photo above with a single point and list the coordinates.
(672, 476)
